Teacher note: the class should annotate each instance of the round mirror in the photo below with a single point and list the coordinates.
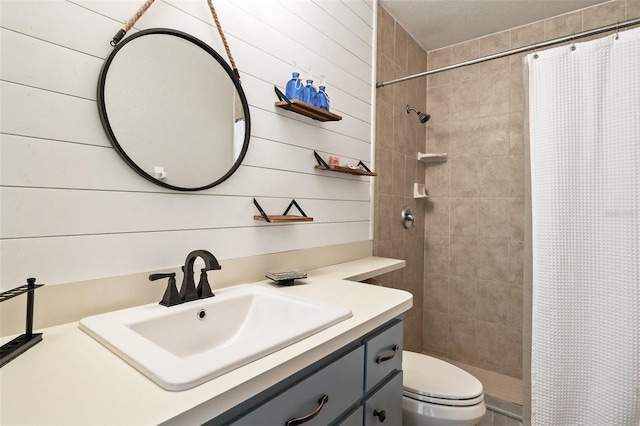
(174, 110)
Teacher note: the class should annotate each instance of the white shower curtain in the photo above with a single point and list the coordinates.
(584, 121)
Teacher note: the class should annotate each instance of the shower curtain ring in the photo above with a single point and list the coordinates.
(617, 31)
(535, 52)
(573, 42)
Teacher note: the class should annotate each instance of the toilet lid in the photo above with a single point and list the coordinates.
(430, 379)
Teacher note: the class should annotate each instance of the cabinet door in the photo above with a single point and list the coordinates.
(385, 406)
(383, 355)
(327, 394)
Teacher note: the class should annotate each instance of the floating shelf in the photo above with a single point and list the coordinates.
(348, 170)
(304, 108)
(359, 169)
(432, 157)
(281, 218)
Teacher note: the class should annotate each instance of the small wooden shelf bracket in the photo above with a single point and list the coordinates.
(283, 217)
(304, 108)
(359, 169)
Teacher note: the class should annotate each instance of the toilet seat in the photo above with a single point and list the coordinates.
(442, 401)
(431, 380)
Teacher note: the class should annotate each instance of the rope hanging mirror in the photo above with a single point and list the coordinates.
(172, 107)
(131, 22)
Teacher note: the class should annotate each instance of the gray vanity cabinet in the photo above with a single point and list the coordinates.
(385, 405)
(340, 382)
(383, 364)
(383, 355)
(360, 385)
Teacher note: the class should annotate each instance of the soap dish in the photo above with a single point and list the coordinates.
(286, 277)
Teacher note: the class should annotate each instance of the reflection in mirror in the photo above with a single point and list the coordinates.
(174, 110)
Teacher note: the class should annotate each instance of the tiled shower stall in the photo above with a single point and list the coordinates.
(466, 256)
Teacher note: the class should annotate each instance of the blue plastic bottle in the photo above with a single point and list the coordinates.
(309, 93)
(294, 87)
(322, 99)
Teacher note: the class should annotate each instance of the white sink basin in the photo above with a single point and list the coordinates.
(182, 346)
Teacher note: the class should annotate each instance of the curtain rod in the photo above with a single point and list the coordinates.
(551, 42)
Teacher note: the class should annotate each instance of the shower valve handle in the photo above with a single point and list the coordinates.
(408, 219)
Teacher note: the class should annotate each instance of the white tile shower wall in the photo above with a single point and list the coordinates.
(72, 210)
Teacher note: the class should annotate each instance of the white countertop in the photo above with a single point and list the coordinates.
(71, 379)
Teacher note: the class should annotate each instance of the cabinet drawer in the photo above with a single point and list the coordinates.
(340, 381)
(354, 419)
(385, 406)
(383, 355)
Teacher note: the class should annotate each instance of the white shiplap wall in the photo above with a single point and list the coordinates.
(72, 210)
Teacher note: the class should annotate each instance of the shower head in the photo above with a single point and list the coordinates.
(421, 115)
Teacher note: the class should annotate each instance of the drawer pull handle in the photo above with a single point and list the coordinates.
(380, 359)
(299, 420)
(381, 415)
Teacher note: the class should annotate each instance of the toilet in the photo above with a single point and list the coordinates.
(436, 393)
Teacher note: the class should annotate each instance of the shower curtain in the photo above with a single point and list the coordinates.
(584, 130)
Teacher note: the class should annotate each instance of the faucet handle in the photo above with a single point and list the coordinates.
(188, 289)
(204, 289)
(171, 296)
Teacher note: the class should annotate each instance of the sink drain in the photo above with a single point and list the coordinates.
(201, 314)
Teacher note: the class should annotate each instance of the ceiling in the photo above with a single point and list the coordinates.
(439, 23)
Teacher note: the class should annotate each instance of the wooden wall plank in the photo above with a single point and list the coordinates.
(43, 163)
(341, 13)
(242, 25)
(28, 111)
(60, 22)
(37, 212)
(362, 9)
(68, 71)
(69, 259)
(312, 15)
(278, 18)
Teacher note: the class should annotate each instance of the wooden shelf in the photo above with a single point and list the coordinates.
(361, 169)
(343, 169)
(283, 218)
(304, 108)
(432, 157)
(310, 111)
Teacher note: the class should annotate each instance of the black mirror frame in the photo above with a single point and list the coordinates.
(107, 126)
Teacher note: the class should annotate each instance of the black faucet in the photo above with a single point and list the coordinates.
(188, 290)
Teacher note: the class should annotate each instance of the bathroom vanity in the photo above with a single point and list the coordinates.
(332, 392)
(72, 379)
